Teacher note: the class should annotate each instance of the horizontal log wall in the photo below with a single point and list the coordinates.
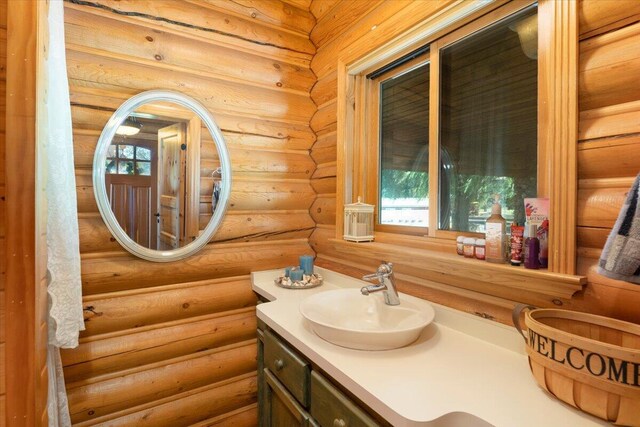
(174, 343)
(609, 146)
(608, 156)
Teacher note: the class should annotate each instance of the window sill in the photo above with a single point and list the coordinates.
(538, 287)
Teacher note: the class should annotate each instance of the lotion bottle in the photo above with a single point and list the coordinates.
(496, 232)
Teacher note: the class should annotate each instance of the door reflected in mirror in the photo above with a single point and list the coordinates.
(162, 175)
(149, 168)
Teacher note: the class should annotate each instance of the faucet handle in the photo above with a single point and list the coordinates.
(385, 268)
(371, 276)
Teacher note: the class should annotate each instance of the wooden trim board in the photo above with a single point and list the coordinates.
(558, 126)
(497, 279)
(26, 295)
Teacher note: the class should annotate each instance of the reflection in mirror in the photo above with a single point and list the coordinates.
(147, 175)
(163, 177)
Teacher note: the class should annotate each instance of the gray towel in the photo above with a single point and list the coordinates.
(621, 255)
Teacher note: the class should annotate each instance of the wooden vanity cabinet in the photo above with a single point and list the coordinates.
(292, 393)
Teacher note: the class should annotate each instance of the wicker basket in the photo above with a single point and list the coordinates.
(588, 361)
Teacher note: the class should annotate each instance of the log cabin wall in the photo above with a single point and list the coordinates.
(174, 344)
(609, 142)
(608, 157)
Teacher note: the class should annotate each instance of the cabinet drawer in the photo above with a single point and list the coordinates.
(331, 408)
(288, 367)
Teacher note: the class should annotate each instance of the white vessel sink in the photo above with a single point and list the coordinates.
(349, 319)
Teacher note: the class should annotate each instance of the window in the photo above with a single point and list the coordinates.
(488, 123)
(403, 198)
(473, 95)
(358, 160)
(125, 159)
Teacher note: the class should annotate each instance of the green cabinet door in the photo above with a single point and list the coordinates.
(280, 409)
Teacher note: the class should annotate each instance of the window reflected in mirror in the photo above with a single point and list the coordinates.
(404, 146)
(488, 123)
(118, 159)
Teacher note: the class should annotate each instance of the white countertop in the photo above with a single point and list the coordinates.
(460, 365)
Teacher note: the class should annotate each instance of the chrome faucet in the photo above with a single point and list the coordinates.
(384, 271)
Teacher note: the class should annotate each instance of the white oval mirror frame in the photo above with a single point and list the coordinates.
(99, 170)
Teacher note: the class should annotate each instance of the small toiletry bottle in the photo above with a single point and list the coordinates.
(532, 248)
(516, 244)
(496, 232)
(543, 236)
(525, 249)
(460, 245)
(469, 247)
(480, 249)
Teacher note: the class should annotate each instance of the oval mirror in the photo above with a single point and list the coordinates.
(162, 175)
